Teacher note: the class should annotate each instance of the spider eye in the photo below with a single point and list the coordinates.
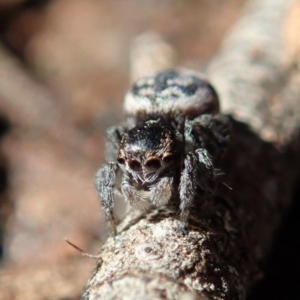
(153, 163)
(167, 158)
(121, 160)
(135, 165)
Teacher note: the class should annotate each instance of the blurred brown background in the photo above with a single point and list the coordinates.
(64, 68)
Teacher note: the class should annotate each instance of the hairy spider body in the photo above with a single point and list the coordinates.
(168, 146)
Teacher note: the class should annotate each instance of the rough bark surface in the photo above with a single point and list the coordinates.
(224, 251)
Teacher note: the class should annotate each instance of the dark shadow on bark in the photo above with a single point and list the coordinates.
(283, 274)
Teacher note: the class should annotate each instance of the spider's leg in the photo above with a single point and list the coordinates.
(114, 136)
(211, 132)
(104, 183)
(206, 173)
(207, 138)
(188, 185)
(197, 180)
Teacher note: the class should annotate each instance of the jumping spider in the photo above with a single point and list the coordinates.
(168, 146)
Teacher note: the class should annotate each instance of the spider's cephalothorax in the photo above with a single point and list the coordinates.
(169, 145)
(150, 150)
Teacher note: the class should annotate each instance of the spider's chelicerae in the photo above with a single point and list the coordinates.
(168, 146)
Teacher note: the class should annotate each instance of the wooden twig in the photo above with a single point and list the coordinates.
(223, 252)
(254, 72)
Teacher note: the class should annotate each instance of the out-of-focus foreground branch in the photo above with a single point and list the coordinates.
(226, 247)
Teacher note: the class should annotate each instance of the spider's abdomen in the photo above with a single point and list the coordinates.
(177, 90)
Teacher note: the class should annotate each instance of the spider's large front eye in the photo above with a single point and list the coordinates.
(167, 158)
(121, 160)
(134, 165)
(153, 164)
